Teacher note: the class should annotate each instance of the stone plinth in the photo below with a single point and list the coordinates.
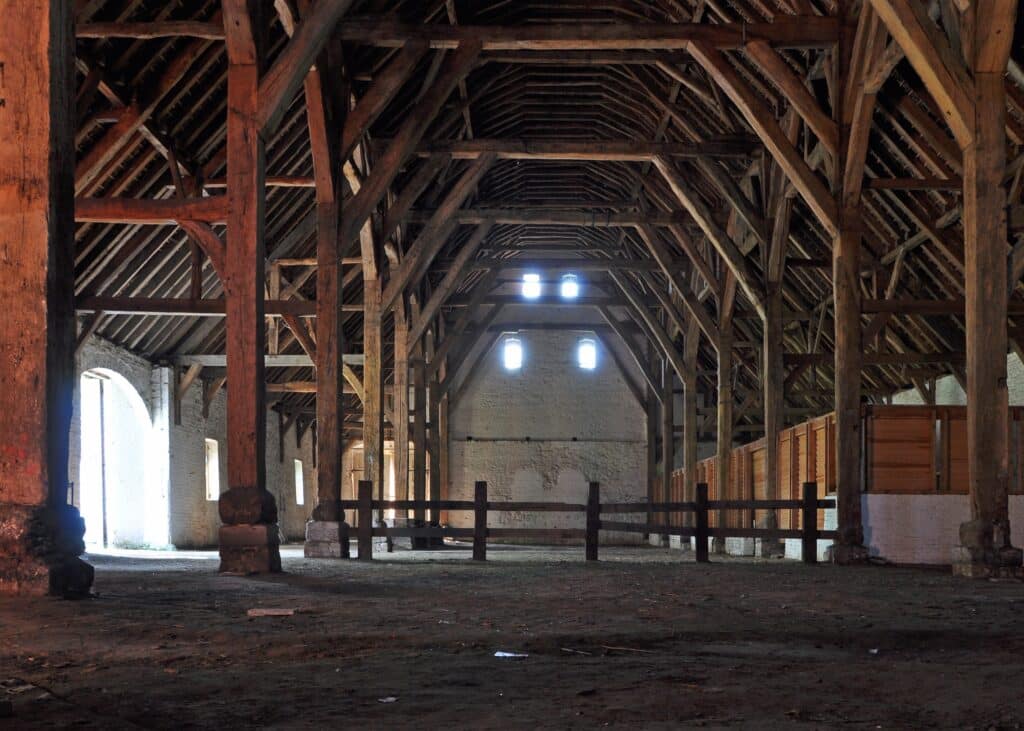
(250, 549)
(326, 539)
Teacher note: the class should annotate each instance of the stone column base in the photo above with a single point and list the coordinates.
(250, 549)
(39, 549)
(326, 539)
(846, 554)
(1004, 563)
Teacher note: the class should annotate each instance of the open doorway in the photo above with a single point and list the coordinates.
(118, 498)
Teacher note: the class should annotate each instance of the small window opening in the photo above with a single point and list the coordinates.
(300, 488)
(586, 354)
(512, 354)
(570, 288)
(531, 286)
(212, 470)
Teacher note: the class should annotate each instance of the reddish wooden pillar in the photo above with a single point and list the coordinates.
(40, 534)
(249, 536)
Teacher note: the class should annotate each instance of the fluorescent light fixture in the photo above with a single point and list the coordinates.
(586, 354)
(512, 354)
(531, 286)
(570, 289)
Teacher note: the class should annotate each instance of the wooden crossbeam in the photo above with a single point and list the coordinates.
(147, 31)
(213, 209)
(784, 32)
(590, 150)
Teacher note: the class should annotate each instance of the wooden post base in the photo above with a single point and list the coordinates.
(769, 547)
(985, 552)
(250, 549)
(326, 539)
(39, 552)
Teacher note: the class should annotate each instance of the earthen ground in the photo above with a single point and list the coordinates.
(645, 638)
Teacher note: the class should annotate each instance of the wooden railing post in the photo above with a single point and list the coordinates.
(593, 519)
(364, 518)
(701, 533)
(809, 523)
(480, 521)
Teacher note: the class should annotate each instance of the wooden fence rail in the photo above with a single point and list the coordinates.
(480, 506)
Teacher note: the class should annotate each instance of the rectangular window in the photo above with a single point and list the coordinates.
(212, 470)
(300, 490)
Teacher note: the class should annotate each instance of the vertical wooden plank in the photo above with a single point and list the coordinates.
(593, 520)
(480, 521)
(809, 523)
(701, 532)
(364, 520)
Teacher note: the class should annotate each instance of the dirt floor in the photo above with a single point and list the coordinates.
(644, 638)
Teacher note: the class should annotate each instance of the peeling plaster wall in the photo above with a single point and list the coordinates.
(544, 432)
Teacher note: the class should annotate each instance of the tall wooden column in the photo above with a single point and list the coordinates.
(325, 534)
(419, 442)
(249, 536)
(400, 407)
(773, 377)
(985, 547)
(40, 534)
(373, 387)
(668, 438)
(652, 450)
(724, 423)
(690, 425)
(848, 357)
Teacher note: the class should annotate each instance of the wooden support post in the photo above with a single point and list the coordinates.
(724, 426)
(652, 454)
(419, 444)
(373, 407)
(480, 521)
(249, 536)
(773, 378)
(668, 441)
(400, 407)
(848, 354)
(809, 523)
(434, 449)
(690, 425)
(593, 520)
(41, 533)
(364, 520)
(985, 548)
(701, 532)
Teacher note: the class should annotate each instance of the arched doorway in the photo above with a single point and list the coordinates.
(121, 504)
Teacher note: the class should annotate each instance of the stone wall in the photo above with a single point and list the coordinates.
(543, 432)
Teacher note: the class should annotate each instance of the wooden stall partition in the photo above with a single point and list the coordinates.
(900, 449)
